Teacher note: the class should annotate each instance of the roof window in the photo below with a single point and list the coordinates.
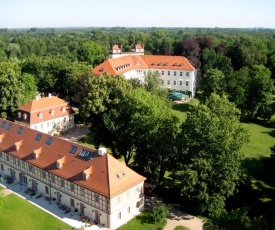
(19, 130)
(49, 141)
(9, 126)
(73, 149)
(38, 136)
(85, 154)
(3, 124)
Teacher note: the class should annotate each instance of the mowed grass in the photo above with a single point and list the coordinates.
(142, 222)
(18, 214)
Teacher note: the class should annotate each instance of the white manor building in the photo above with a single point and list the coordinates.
(176, 72)
(90, 182)
(47, 114)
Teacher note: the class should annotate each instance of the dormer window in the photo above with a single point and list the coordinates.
(86, 173)
(40, 115)
(52, 112)
(25, 116)
(63, 110)
(19, 114)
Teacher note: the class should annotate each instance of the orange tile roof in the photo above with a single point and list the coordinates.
(142, 62)
(40, 110)
(104, 169)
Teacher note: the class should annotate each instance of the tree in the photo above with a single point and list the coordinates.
(29, 86)
(259, 97)
(210, 158)
(11, 95)
(213, 82)
(156, 128)
(101, 104)
(92, 53)
(234, 220)
(152, 84)
(158, 213)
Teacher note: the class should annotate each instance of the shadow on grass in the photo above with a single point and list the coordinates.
(260, 169)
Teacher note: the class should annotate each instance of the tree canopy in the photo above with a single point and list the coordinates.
(210, 143)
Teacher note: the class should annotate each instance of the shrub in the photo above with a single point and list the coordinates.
(158, 213)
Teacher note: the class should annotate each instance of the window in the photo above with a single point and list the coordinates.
(43, 174)
(2, 167)
(82, 192)
(72, 187)
(49, 141)
(162, 72)
(1, 154)
(3, 124)
(73, 149)
(8, 158)
(31, 168)
(96, 198)
(72, 202)
(9, 126)
(119, 215)
(19, 114)
(19, 130)
(129, 209)
(46, 189)
(187, 74)
(157, 71)
(162, 82)
(187, 83)
(168, 82)
(41, 126)
(175, 73)
(48, 124)
(14, 161)
(180, 82)
(175, 82)
(62, 183)
(118, 200)
(168, 73)
(35, 127)
(53, 179)
(38, 136)
(181, 74)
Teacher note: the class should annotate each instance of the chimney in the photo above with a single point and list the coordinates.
(101, 151)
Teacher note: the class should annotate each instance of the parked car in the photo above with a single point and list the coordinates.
(148, 188)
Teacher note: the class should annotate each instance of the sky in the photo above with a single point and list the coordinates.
(137, 13)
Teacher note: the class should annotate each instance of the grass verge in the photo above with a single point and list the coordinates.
(18, 214)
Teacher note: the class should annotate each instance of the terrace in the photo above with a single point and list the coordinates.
(50, 205)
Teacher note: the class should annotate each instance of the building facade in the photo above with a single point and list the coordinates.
(91, 182)
(47, 114)
(176, 72)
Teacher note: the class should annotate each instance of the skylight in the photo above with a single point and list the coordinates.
(19, 130)
(38, 136)
(73, 149)
(9, 126)
(85, 154)
(49, 141)
(3, 124)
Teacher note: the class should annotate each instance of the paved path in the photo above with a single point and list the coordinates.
(175, 217)
(76, 133)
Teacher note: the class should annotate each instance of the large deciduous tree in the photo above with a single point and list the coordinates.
(210, 158)
(11, 95)
(213, 82)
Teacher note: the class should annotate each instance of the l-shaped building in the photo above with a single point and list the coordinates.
(176, 72)
(89, 181)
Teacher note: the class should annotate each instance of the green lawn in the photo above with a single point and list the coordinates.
(18, 214)
(142, 222)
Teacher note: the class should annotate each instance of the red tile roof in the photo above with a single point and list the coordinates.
(108, 177)
(41, 109)
(142, 62)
